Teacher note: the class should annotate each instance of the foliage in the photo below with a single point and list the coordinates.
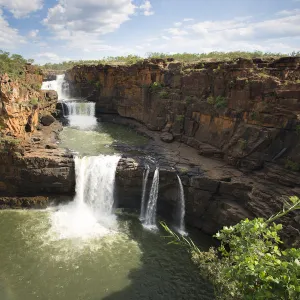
(12, 64)
(254, 115)
(218, 102)
(164, 95)
(182, 57)
(298, 129)
(249, 264)
(179, 118)
(243, 144)
(36, 86)
(156, 86)
(292, 165)
(34, 101)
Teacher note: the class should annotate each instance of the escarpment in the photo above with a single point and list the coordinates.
(243, 113)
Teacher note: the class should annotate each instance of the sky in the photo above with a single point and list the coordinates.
(59, 30)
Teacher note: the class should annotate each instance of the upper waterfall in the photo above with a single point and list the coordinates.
(59, 85)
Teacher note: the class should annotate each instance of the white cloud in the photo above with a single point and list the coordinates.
(188, 19)
(177, 24)
(91, 16)
(147, 8)
(176, 31)
(33, 33)
(289, 12)
(236, 30)
(9, 37)
(278, 34)
(21, 8)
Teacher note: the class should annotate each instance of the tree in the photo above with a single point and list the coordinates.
(250, 262)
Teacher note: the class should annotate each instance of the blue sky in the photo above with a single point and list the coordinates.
(53, 31)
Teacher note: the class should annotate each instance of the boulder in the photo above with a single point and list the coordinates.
(167, 137)
(47, 120)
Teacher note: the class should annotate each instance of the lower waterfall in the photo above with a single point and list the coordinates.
(90, 214)
(181, 208)
(145, 180)
(150, 218)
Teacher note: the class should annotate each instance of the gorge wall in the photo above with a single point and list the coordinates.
(244, 113)
(245, 110)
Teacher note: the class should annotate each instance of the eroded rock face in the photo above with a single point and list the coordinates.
(245, 110)
(22, 103)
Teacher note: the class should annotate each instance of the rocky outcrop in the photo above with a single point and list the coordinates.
(246, 111)
(22, 103)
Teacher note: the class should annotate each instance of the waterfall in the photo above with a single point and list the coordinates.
(150, 218)
(90, 214)
(181, 208)
(145, 180)
(81, 114)
(81, 108)
(59, 85)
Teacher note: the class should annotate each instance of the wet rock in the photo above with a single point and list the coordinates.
(47, 120)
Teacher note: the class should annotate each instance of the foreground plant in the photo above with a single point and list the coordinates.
(249, 264)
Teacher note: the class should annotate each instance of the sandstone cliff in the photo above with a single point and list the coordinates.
(245, 110)
(28, 163)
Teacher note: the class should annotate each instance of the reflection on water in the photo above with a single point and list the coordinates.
(99, 140)
(132, 263)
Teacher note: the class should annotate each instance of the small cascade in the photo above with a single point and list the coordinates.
(181, 208)
(91, 212)
(59, 85)
(150, 217)
(145, 180)
(81, 108)
(81, 114)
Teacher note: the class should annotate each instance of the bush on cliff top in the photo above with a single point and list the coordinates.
(12, 64)
(182, 57)
(250, 262)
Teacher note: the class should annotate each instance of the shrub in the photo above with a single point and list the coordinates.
(221, 102)
(298, 129)
(156, 86)
(249, 264)
(34, 101)
(292, 165)
(179, 118)
(164, 95)
(243, 144)
(211, 100)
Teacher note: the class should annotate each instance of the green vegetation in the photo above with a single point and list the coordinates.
(254, 115)
(164, 95)
(182, 57)
(243, 144)
(156, 86)
(12, 64)
(179, 118)
(250, 262)
(292, 165)
(298, 129)
(34, 101)
(218, 102)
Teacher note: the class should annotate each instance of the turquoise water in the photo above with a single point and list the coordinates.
(129, 263)
(101, 139)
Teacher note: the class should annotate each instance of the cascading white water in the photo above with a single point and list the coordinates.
(181, 208)
(81, 114)
(145, 180)
(150, 217)
(90, 214)
(59, 85)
